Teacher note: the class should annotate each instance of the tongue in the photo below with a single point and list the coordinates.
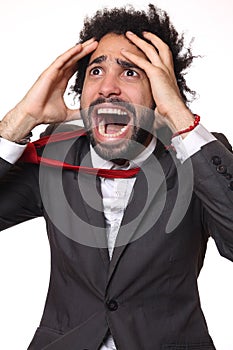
(113, 128)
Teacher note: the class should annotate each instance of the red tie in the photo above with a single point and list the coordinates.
(30, 156)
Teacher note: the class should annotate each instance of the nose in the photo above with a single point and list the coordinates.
(109, 86)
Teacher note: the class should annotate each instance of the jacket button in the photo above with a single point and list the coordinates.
(231, 185)
(228, 176)
(112, 305)
(216, 160)
(221, 169)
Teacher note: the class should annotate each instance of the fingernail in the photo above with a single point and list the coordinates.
(129, 32)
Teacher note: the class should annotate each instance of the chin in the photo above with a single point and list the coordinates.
(118, 129)
(122, 148)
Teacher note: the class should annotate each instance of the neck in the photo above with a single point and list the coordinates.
(120, 162)
(125, 162)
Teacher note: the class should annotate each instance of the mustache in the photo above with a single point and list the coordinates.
(114, 101)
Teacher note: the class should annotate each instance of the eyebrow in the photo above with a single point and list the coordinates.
(126, 64)
(99, 59)
(122, 63)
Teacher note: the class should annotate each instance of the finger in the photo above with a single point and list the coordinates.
(66, 64)
(154, 73)
(86, 50)
(87, 42)
(148, 49)
(141, 62)
(61, 60)
(75, 53)
(158, 53)
(164, 50)
(164, 53)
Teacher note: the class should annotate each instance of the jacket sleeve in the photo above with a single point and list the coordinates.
(19, 187)
(4, 167)
(213, 184)
(19, 193)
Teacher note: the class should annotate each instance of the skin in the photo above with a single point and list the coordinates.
(44, 102)
(112, 80)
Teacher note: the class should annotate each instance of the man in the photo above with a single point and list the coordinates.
(127, 241)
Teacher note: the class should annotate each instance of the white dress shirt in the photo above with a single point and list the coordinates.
(116, 195)
(116, 192)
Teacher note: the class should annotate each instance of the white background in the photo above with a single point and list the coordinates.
(33, 33)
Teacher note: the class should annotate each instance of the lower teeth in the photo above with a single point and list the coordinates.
(102, 129)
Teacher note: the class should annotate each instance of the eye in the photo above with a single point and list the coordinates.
(96, 71)
(130, 73)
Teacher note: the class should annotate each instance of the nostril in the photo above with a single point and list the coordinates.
(109, 89)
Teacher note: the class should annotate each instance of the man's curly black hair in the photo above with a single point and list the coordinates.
(120, 20)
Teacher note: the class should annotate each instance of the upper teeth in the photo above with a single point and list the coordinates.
(111, 111)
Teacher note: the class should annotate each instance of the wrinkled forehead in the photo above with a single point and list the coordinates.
(110, 47)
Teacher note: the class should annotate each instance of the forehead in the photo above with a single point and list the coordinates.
(111, 45)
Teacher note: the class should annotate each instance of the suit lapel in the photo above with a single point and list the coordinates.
(89, 187)
(149, 195)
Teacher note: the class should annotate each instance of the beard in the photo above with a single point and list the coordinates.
(125, 148)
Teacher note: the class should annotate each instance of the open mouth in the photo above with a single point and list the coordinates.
(112, 122)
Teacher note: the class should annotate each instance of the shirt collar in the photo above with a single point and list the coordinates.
(101, 163)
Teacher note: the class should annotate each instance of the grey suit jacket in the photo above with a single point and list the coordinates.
(147, 294)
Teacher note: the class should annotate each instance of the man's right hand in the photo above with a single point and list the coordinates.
(44, 102)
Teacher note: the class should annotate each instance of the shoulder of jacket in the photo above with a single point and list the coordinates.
(223, 139)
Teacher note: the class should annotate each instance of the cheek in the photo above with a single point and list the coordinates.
(149, 101)
(87, 93)
(85, 97)
(143, 95)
